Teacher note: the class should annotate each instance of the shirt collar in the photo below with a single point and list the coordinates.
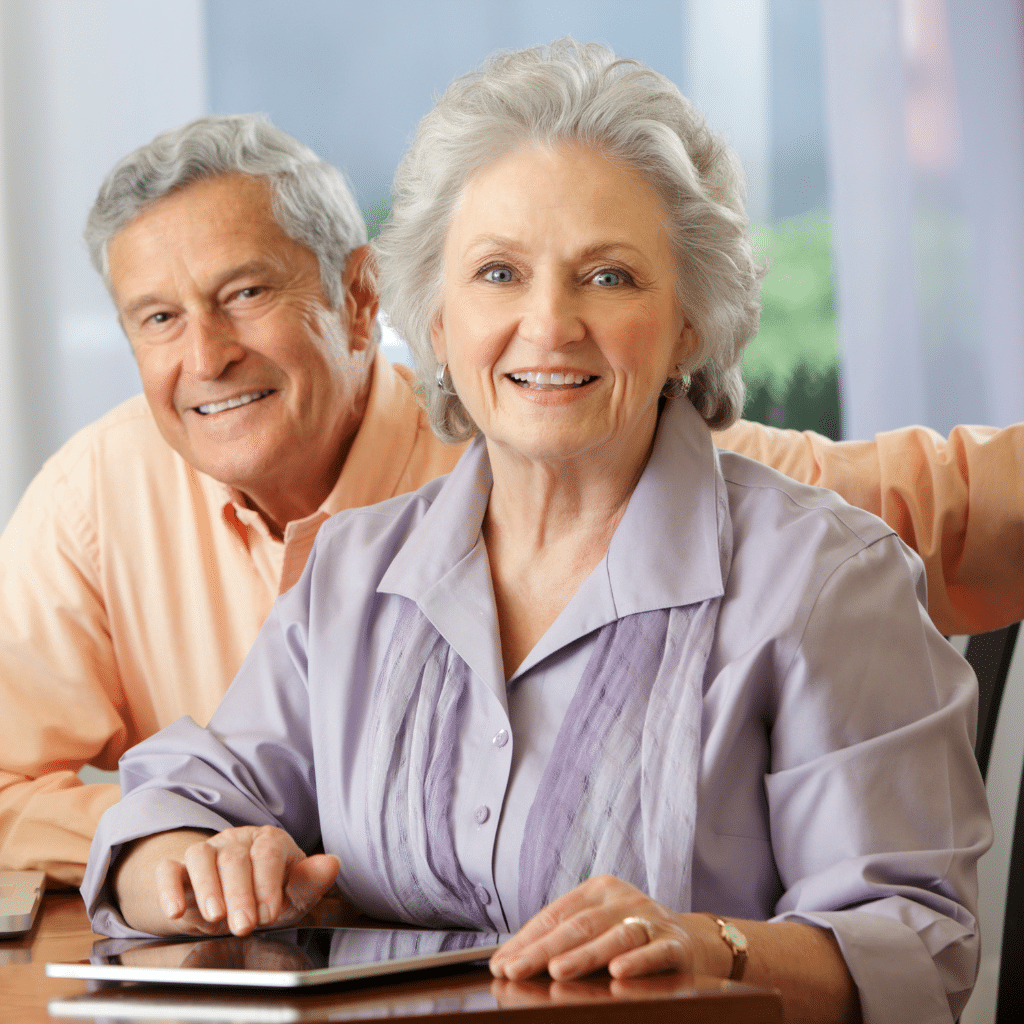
(443, 567)
(664, 553)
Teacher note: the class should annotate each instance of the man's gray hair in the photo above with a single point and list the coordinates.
(310, 198)
(579, 93)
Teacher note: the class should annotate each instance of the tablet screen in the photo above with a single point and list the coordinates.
(288, 958)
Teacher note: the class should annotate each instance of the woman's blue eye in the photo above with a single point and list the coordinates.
(498, 275)
(608, 278)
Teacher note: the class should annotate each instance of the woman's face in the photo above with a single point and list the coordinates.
(559, 321)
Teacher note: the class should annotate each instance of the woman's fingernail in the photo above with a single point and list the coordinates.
(212, 908)
(264, 912)
(240, 921)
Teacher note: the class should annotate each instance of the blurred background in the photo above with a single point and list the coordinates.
(883, 142)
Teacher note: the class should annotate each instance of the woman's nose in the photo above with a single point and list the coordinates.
(211, 346)
(551, 315)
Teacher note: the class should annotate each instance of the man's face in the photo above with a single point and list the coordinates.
(251, 378)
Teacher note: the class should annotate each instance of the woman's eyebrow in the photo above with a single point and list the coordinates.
(493, 242)
(596, 250)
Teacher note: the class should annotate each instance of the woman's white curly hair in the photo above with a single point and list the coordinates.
(577, 93)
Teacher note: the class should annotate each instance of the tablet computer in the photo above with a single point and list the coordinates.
(288, 958)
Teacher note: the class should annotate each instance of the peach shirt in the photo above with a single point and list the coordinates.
(132, 586)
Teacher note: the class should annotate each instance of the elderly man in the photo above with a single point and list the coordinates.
(143, 559)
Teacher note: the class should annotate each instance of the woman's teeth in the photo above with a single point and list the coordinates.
(541, 380)
(231, 403)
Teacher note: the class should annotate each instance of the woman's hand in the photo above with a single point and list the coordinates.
(189, 882)
(586, 929)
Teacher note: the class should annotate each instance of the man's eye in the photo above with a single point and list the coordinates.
(608, 278)
(498, 275)
(250, 293)
(160, 318)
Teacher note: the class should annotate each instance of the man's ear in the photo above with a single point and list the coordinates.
(361, 299)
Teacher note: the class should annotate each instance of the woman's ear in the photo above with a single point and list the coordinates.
(687, 345)
(361, 299)
(437, 340)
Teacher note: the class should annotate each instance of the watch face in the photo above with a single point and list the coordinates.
(737, 937)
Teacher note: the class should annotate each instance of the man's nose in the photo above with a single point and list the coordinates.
(551, 316)
(211, 346)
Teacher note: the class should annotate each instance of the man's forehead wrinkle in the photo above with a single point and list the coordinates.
(268, 262)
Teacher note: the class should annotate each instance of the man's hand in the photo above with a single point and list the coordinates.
(194, 883)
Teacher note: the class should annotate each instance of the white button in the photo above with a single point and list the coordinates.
(500, 738)
(481, 814)
(483, 895)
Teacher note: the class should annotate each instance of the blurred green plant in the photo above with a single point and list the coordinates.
(791, 368)
(375, 214)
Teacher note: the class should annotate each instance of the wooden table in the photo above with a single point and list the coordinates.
(62, 933)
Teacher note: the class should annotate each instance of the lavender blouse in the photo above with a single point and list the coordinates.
(835, 781)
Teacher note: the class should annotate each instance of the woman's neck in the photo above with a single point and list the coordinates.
(548, 524)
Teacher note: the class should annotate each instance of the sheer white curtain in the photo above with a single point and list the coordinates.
(81, 83)
(926, 122)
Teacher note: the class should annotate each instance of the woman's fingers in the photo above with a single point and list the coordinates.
(171, 880)
(239, 876)
(604, 922)
(221, 878)
(538, 929)
(309, 879)
(668, 954)
(599, 952)
(271, 853)
(237, 880)
(584, 943)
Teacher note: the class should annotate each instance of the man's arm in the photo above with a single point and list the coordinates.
(959, 502)
(59, 686)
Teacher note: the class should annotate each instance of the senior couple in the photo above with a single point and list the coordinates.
(602, 680)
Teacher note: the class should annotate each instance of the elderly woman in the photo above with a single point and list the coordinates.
(648, 705)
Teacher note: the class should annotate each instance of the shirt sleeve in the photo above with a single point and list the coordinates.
(877, 808)
(253, 764)
(62, 699)
(958, 501)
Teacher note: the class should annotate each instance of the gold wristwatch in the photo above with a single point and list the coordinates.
(736, 941)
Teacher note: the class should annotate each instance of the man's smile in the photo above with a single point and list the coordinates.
(232, 403)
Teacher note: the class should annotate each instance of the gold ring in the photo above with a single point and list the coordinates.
(644, 923)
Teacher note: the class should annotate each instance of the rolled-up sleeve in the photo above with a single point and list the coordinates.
(253, 764)
(877, 808)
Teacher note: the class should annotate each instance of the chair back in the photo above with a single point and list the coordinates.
(990, 655)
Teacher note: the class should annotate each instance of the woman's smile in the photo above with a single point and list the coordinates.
(539, 380)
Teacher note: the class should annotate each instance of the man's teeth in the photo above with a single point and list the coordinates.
(535, 377)
(231, 403)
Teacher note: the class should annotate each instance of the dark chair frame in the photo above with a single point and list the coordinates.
(990, 655)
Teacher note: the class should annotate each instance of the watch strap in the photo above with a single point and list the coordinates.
(737, 943)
